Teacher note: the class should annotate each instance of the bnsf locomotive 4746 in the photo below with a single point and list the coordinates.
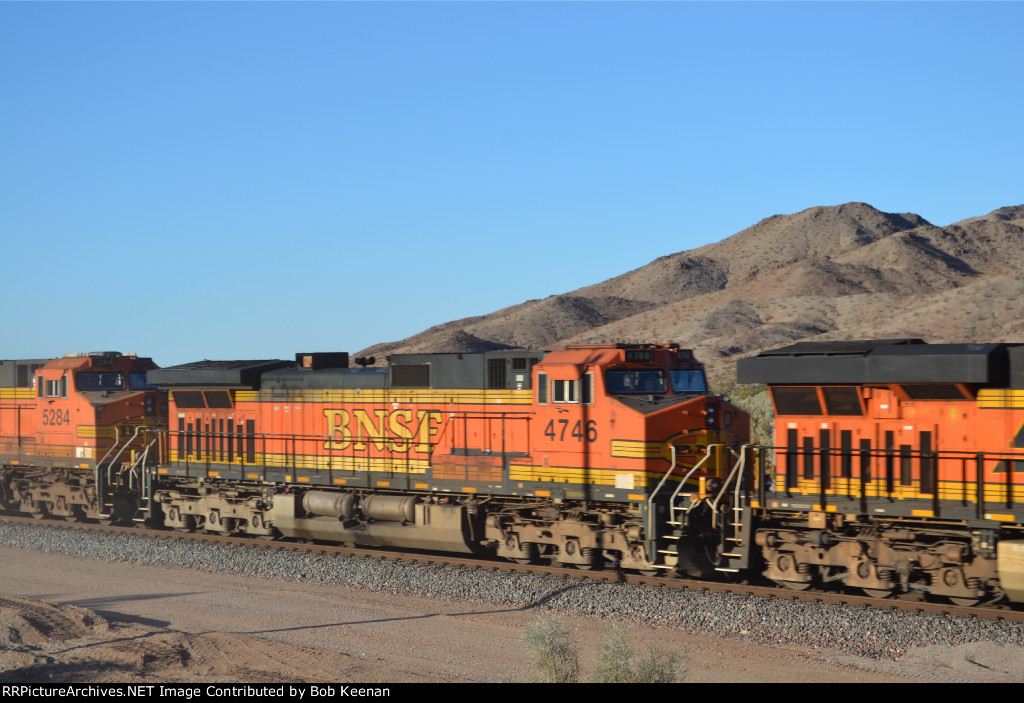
(584, 456)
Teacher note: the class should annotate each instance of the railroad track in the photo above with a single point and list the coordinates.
(910, 602)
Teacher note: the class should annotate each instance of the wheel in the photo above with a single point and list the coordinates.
(877, 592)
(964, 602)
(648, 572)
(794, 585)
(594, 559)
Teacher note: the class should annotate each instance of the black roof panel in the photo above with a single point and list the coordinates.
(215, 374)
(879, 361)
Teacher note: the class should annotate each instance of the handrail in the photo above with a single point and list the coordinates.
(736, 469)
(96, 469)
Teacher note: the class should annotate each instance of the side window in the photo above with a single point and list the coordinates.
(57, 389)
(566, 391)
(797, 400)
(587, 390)
(542, 389)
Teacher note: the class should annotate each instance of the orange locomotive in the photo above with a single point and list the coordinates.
(900, 466)
(580, 456)
(74, 432)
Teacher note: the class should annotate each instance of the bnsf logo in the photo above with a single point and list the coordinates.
(396, 431)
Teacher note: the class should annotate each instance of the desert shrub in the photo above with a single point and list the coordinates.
(659, 666)
(614, 655)
(554, 653)
(617, 662)
(554, 649)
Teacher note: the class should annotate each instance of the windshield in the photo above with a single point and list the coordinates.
(688, 381)
(138, 382)
(635, 381)
(100, 381)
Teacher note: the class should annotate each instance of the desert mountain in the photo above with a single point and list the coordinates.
(839, 272)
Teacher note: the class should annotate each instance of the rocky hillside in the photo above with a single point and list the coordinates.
(842, 272)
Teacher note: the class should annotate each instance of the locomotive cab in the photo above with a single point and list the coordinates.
(88, 419)
(628, 425)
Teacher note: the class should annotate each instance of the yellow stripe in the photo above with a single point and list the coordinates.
(17, 394)
(947, 490)
(308, 463)
(633, 449)
(95, 432)
(636, 449)
(1000, 398)
(110, 431)
(541, 474)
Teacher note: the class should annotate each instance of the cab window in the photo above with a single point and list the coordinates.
(137, 381)
(565, 391)
(633, 381)
(103, 381)
(688, 381)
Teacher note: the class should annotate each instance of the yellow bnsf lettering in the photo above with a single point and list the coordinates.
(337, 429)
(397, 431)
(366, 428)
(426, 429)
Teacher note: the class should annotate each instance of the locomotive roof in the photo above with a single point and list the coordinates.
(879, 361)
(853, 346)
(221, 374)
(429, 370)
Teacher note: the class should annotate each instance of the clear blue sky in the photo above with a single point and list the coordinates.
(249, 180)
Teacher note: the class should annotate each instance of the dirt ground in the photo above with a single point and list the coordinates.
(68, 619)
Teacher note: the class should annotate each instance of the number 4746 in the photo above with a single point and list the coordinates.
(558, 434)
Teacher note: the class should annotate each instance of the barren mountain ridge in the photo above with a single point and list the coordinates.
(838, 272)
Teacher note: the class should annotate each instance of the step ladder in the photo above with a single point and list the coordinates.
(113, 478)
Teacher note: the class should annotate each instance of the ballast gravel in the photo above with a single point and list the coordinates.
(884, 635)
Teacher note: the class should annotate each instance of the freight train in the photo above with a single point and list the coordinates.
(895, 466)
(585, 456)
